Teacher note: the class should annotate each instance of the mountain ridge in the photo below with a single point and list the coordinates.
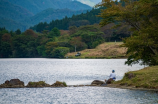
(36, 6)
(21, 12)
(51, 14)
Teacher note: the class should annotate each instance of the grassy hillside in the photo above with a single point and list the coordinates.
(144, 78)
(105, 50)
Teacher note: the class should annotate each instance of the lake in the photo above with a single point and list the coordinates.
(73, 72)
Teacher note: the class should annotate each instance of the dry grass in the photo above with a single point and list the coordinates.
(105, 50)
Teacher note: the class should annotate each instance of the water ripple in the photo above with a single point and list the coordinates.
(76, 95)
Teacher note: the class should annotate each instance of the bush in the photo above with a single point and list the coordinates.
(64, 83)
(60, 52)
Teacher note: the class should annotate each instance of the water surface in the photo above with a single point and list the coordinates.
(72, 71)
(76, 95)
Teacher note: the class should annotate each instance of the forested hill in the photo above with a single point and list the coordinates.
(21, 14)
(12, 11)
(51, 14)
(88, 18)
(36, 6)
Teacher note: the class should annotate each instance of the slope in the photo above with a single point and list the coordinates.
(105, 50)
(51, 14)
(11, 11)
(36, 6)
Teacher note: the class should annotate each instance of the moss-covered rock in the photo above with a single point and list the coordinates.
(59, 84)
(97, 83)
(38, 84)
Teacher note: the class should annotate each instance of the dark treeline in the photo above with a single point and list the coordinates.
(88, 18)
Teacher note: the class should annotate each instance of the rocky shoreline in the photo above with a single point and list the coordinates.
(16, 83)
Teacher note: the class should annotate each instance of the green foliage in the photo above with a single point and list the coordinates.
(37, 84)
(41, 51)
(60, 52)
(90, 35)
(18, 32)
(64, 83)
(54, 33)
(5, 50)
(88, 18)
(142, 17)
(77, 43)
(30, 44)
(50, 46)
(25, 45)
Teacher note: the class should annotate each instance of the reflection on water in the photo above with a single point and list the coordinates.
(72, 71)
(76, 95)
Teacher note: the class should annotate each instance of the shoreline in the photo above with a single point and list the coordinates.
(130, 87)
(108, 86)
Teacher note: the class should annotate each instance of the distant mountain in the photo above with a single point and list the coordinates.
(36, 6)
(12, 25)
(24, 13)
(11, 14)
(51, 14)
(11, 11)
(88, 18)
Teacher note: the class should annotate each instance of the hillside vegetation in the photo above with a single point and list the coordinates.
(105, 50)
(144, 78)
(51, 14)
(36, 6)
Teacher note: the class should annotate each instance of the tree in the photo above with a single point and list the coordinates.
(49, 48)
(54, 33)
(77, 44)
(89, 35)
(5, 50)
(18, 32)
(6, 46)
(72, 30)
(31, 33)
(60, 52)
(142, 17)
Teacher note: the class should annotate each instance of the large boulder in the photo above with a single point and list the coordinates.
(37, 84)
(97, 83)
(13, 83)
(59, 84)
(109, 81)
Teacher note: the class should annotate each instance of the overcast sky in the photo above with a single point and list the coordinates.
(90, 2)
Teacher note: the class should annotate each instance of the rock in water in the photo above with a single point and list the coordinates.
(37, 84)
(13, 83)
(109, 81)
(97, 83)
(16, 82)
(58, 84)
